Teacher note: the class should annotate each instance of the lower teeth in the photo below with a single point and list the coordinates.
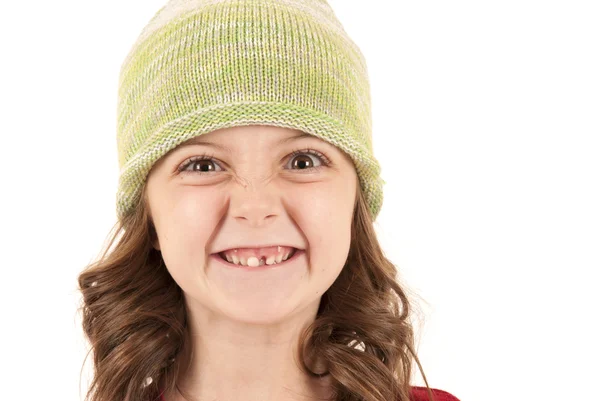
(262, 261)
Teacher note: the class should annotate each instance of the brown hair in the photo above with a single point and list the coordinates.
(134, 317)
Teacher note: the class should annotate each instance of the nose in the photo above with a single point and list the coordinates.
(255, 204)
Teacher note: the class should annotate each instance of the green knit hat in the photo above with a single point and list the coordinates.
(203, 65)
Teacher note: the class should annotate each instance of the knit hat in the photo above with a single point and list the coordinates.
(203, 65)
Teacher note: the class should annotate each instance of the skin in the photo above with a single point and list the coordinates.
(244, 326)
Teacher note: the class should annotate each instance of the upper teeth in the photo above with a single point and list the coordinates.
(254, 261)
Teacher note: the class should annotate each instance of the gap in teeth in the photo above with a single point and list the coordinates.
(253, 261)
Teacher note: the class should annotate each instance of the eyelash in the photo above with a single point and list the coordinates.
(325, 162)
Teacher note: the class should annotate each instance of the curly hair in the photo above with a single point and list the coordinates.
(134, 317)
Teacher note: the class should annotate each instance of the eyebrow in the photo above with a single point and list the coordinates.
(198, 141)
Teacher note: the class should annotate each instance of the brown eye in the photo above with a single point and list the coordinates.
(199, 165)
(303, 162)
(203, 165)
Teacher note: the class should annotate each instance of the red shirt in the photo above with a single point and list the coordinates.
(418, 394)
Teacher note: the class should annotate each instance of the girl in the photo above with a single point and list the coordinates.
(246, 266)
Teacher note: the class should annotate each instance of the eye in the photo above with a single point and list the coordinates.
(200, 165)
(302, 161)
(206, 163)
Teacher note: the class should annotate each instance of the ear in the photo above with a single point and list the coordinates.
(156, 244)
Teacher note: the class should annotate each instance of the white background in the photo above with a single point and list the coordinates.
(486, 123)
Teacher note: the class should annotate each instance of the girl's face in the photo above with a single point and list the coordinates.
(245, 188)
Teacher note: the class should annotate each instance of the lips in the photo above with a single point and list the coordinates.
(245, 252)
(297, 255)
(258, 257)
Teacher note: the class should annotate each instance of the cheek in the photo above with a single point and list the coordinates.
(185, 223)
(330, 201)
(324, 215)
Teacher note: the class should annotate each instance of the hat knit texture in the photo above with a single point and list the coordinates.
(203, 65)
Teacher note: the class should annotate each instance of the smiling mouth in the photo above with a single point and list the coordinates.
(255, 262)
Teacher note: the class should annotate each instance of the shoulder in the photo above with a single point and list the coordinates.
(420, 394)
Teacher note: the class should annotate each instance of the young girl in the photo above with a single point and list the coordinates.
(246, 266)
